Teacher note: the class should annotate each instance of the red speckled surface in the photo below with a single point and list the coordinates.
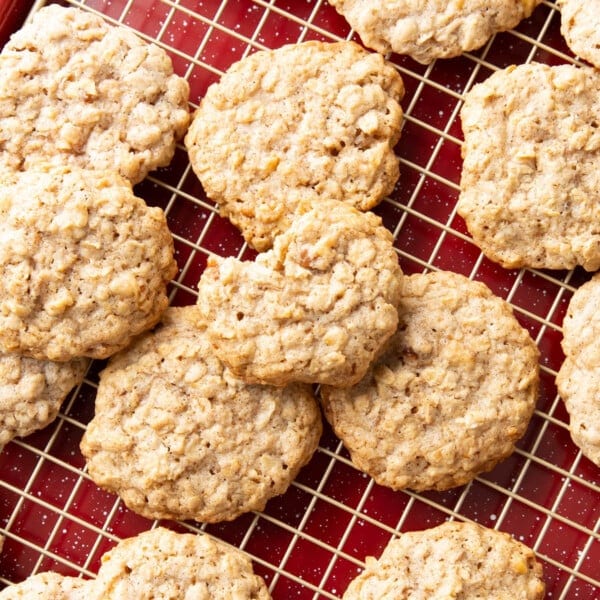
(312, 541)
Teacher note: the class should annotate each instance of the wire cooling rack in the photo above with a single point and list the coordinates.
(310, 542)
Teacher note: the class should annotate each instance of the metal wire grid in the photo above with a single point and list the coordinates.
(313, 540)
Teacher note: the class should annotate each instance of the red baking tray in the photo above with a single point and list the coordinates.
(310, 542)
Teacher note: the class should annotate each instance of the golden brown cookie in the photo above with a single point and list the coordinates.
(84, 263)
(75, 90)
(306, 122)
(316, 308)
(531, 175)
(162, 565)
(578, 379)
(451, 395)
(453, 560)
(177, 436)
(580, 26)
(32, 391)
(432, 29)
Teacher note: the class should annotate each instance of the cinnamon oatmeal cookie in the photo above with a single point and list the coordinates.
(32, 391)
(316, 308)
(451, 395)
(531, 176)
(305, 122)
(161, 564)
(578, 379)
(177, 436)
(84, 263)
(580, 26)
(452, 560)
(75, 90)
(432, 29)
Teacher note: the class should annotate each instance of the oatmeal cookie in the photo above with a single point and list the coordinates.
(316, 308)
(306, 122)
(451, 395)
(432, 29)
(578, 379)
(161, 564)
(75, 90)
(531, 176)
(32, 391)
(580, 26)
(48, 586)
(531, 173)
(83, 263)
(155, 565)
(452, 560)
(198, 443)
